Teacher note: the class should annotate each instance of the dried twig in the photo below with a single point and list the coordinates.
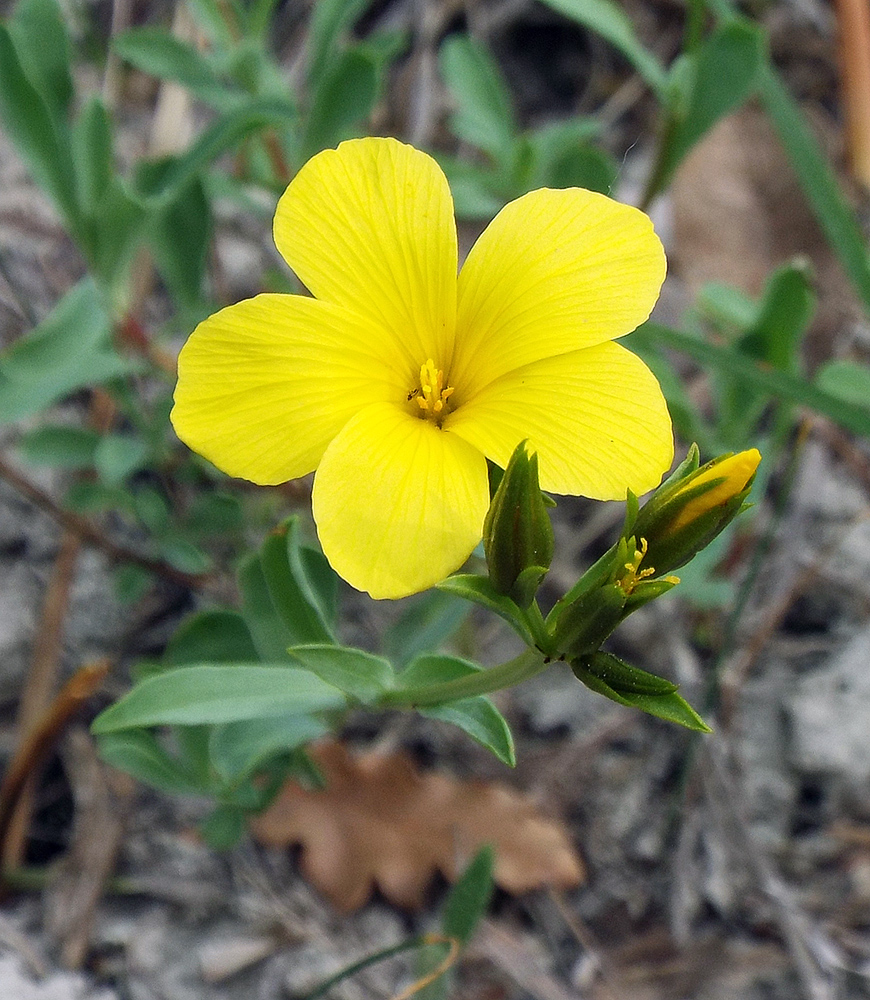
(854, 20)
(102, 797)
(735, 672)
(586, 939)
(34, 749)
(92, 535)
(810, 947)
(40, 685)
(511, 954)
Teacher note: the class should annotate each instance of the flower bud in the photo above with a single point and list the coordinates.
(689, 510)
(517, 533)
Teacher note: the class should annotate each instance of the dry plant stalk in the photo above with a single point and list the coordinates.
(102, 797)
(40, 685)
(34, 749)
(854, 21)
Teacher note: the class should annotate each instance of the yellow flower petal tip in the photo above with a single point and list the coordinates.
(730, 476)
(398, 380)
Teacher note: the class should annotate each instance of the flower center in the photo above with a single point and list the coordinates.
(431, 396)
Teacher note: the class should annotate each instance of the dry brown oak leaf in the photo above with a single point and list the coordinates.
(380, 822)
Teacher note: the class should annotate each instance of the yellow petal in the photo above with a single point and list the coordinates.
(596, 418)
(555, 271)
(265, 385)
(399, 504)
(370, 226)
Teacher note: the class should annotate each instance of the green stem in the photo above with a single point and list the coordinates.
(526, 665)
(415, 942)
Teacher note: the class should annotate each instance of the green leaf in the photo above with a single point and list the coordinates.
(479, 590)
(330, 19)
(160, 53)
(131, 583)
(475, 191)
(224, 827)
(781, 385)
(138, 753)
(322, 580)
(120, 221)
(786, 310)
(168, 183)
(670, 707)
(214, 636)
(554, 142)
(91, 498)
(92, 154)
(61, 447)
(239, 749)
(215, 514)
(42, 143)
(431, 619)
(610, 21)
(268, 629)
(211, 694)
(343, 100)
(118, 456)
(484, 115)
(69, 350)
(817, 180)
(42, 43)
(217, 21)
(185, 555)
(582, 166)
(724, 73)
(362, 676)
(294, 597)
(847, 381)
(152, 510)
(180, 237)
(469, 898)
(482, 721)
(476, 716)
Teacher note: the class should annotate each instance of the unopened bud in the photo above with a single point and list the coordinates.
(689, 510)
(517, 533)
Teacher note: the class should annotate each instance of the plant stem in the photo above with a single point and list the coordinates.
(419, 941)
(527, 664)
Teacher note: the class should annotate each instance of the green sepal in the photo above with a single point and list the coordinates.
(526, 585)
(646, 591)
(625, 678)
(668, 706)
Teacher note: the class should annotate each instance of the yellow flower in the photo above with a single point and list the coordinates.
(398, 380)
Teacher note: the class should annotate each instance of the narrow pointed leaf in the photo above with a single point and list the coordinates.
(211, 694)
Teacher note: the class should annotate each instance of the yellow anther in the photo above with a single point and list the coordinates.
(634, 574)
(432, 394)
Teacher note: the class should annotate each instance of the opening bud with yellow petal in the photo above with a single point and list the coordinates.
(517, 533)
(692, 507)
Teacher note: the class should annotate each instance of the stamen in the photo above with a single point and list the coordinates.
(432, 394)
(634, 574)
